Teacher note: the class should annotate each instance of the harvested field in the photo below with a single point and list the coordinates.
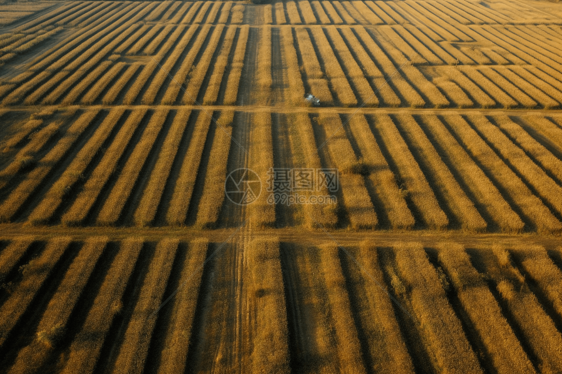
(294, 186)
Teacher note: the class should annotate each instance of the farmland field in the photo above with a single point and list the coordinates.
(127, 129)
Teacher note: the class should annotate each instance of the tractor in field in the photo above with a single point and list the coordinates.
(311, 99)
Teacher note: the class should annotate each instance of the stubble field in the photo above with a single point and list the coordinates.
(120, 122)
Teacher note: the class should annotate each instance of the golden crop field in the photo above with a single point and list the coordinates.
(171, 201)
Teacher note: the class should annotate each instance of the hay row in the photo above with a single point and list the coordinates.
(423, 40)
(268, 14)
(315, 76)
(44, 211)
(307, 13)
(12, 254)
(77, 213)
(225, 12)
(381, 177)
(27, 155)
(545, 187)
(442, 330)
(180, 77)
(515, 92)
(399, 43)
(261, 160)
(237, 64)
(111, 96)
(423, 24)
(342, 322)
(94, 77)
(280, 14)
(333, 69)
(157, 12)
(192, 11)
(17, 94)
(121, 191)
(354, 72)
(534, 43)
(50, 330)
(179, 204)
(497, 93)
(454, 196)
(549, 86)
(214, 12)
(352, 10)
(386, 349)
(453, 92)
(38, 94)
(469, 86)
(136, 341)
(320, 13)
(336, 19)
(450, 31)
(417, 187)
(356, 198)
(370, 70)
(316, 215)
(75, 13)
(264, 79)
(29, 127)
(200, 70)
(134, 38)
(33, 180)
(237, 14)
(34, 275)
(270, 345)
(171, 10)
(102, 83)
(219, 68)
(500, 341)
(164, 72)
(293, 70)
(50, 17)
(535, 325)
(213, 191)
(181, 12)
(529, 91)
(151, 48)
(343, 13)
(385, 8)
(202, 12)
(96, 16)
(179, 329)
(85, 349)
(487, 197)
(152, 194)
(512, 185)
(367, 13)
(293, 13)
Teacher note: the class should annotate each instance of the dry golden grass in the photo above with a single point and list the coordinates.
(213, 12)
(293, 71)
(138, 46)
(12, 254)
(202, 12)
(388, 34)
(87, 81)
(264, 79)
(548, 92)
(212, 89)
(233, 81)
(546, 128)
(157, 12)
(293, 13)
(379, 173)
(178, 334)
(34, 179)
(428, 42)
(345, 330)
(280, 14)
(101, 84)
(386, 349)
(333, 69)
(225, 12)
(213, 191)
(177, 210)
(534, 148)
(442, 330)
(152, 194)
(549, 191)
(488, 198)
(19, 93)
(134, 348)
(309, 58)
(86, 346)
(79, 210)
(417, 187)
(163, 74)
(172, 10)
(181, 75)
(181, 12)
(237, 14)
(200, 70)
(33, 275)
(151, 48)
(307, 13)
(190, 15)
(367, 13)
(320, 13)
(542, 270)
(111, 96)
(516, 93)
(261, 160)
(537, 328)
(465, 83)
(44, 211)
(54, 321)
(268, 14)
(511, 183)
(445, 183)
(336, 19)
(453, 92)
(500, 341)
(356, 198)
(343, 13)
(316, 214)
(370, 70)
(270, 345)
(354, 72)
